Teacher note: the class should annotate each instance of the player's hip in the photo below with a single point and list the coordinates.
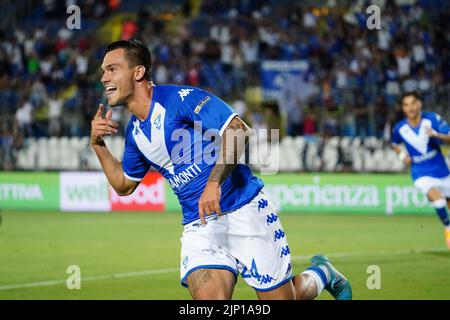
(249, 240)
(234, 198)
(426, 183)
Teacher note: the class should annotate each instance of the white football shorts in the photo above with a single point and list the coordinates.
(425, 184)
(249, 241)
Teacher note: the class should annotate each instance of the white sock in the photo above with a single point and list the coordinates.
(325, 270)
(317, 278)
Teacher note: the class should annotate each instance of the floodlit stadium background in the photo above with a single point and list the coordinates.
(312, 69)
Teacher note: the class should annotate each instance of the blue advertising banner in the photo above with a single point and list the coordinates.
(275, 72)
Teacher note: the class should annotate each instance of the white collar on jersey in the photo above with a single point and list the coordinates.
(417, 141)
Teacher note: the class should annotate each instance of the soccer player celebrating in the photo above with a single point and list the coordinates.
(422, 133)
(230, 225)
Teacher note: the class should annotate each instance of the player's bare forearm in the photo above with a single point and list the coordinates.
(234, 142)
(404, 157)
(113, 171)
(111, 166)
(396, 148)
(444, 138)
(434, 134)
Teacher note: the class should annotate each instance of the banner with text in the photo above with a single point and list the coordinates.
(346, 193)
(33, 191)
(274, 74)
(84, 191)
(150, 195)
(296, 193)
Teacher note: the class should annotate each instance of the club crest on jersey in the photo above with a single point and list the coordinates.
(185, 261)
(184, 92)
(157, 122)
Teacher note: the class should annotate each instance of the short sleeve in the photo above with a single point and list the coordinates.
(134, 165)
(440, 125)
(396, 139)
(200, 105)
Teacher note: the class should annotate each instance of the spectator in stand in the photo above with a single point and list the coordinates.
(55, 105)
(24, 117)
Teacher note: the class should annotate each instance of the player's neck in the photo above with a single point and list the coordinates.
(141, 101)
(414, 122)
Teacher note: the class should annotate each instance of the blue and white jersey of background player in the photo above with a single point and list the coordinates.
(425, 152)
(149, 144)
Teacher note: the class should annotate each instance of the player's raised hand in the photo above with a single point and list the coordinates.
(209, 201)
(102, 126)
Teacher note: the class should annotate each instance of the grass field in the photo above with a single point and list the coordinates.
(136, 255)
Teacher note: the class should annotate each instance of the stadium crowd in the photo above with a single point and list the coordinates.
(50, 79)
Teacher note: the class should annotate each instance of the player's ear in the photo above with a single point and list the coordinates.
(139, 73)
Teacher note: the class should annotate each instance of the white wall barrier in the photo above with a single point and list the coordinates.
(295, 154)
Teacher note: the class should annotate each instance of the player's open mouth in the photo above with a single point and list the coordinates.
(110, 90)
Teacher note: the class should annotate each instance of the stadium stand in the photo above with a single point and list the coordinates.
(295, 154)
(49, 79)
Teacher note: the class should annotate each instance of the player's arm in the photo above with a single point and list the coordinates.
(234, 141)
(434, 134)
(402, 155)
(395, 144)
(110, 164)
(440, 129)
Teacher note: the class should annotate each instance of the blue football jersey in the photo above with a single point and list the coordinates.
(425, 152)
(181, 139)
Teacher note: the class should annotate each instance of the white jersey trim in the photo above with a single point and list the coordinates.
(225, 125)
(131, 178)
(417, 141)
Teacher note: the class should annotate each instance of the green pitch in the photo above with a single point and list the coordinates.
(136, 255)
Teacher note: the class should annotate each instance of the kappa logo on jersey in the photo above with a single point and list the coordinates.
(285, 251)
(271, 218)
(262, 204)
(278, 234)
(184, 92)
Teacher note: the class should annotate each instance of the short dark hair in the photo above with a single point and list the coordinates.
(136, 53)
(405, 94)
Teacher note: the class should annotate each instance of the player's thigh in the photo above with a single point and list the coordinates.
(430, 187)
(445, 187)
(211, 284)
(259, 244)
(283, 292)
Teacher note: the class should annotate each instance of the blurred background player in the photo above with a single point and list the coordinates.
(423, 133)
(249, 238)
